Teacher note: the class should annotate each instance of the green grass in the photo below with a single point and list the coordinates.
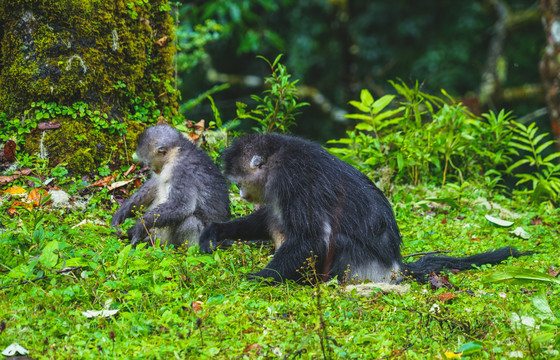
(178, 303)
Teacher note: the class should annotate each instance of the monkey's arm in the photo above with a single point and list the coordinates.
(172, 212)
(143, 197)
(250, 227)
(294, 254)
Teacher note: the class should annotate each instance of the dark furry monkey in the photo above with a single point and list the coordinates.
(185, 192)
(315, 204)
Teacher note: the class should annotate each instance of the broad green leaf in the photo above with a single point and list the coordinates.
(358, 116)
(515, 273)
(540, 303)
(73, 262)
(364, 126)
(470, 347)
(358, 105)
(123, 256)
(19, 272)
(388, 113)
(48, 256)
(366, 98)
(381, 103)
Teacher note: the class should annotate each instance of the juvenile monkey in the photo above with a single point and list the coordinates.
(185, 192)
(314, 204)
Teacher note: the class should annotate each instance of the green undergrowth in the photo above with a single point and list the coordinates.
(57, 263)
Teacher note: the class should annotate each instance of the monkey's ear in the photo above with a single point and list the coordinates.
(162, 150)
(256, 162)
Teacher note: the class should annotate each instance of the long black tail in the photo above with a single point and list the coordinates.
(419, 269)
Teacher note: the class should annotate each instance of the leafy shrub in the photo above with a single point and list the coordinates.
(544, 174)
(423, 137)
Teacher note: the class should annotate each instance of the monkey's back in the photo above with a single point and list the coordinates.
(199, 172)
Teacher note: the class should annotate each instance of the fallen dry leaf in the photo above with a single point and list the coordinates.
(36, 196)
(51, 125)
(437, 281)
(162, 41)
(130, 169)
(446, 296)
(12, 211)
(194, 137)
(453, 355)
(197, 306)
(104, 181)
(7, 179)
(10, 150)
(553, 272)
(26, 205)
(15, 190)
(23, 172)
(119, 184)
(199, 126)
(252, 347)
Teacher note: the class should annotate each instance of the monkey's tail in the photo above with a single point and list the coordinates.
(419, 269)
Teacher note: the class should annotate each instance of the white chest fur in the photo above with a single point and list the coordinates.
(164, 179)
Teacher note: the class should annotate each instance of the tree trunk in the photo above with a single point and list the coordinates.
(550, 64)
(96, 71)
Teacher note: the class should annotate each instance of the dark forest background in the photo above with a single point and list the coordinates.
(485, 53)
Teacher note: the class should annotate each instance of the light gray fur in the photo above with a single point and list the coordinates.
(185, 192)
(376, 272)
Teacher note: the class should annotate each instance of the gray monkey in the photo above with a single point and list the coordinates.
(185, 192)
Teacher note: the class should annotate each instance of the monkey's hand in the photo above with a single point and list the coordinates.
(209, 238)
(120, 216)
(266, 275)
(137, 233)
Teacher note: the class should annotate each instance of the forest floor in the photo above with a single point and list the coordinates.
(70, 288)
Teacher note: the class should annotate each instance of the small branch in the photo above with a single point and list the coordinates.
(490, 78)
(529, 118)
(42, 277)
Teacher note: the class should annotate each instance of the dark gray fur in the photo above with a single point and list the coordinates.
(315, 203)
(185, 192)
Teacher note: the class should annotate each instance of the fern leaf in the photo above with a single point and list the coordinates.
(544, 146)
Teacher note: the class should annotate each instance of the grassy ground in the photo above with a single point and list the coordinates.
(57, 263)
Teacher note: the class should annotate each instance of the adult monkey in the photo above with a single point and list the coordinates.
(185, 192)
(314, 204)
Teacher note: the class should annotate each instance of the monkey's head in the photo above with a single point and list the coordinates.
(158, 145)
(248, 163)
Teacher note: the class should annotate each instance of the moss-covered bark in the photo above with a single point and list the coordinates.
(114, 56)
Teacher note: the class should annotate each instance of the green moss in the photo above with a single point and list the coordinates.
(103, 53)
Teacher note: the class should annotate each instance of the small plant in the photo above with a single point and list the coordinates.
(544, 174)
(276, 110)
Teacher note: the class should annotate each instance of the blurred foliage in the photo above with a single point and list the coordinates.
(340, 47)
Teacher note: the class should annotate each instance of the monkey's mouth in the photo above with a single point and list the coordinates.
(244, 195)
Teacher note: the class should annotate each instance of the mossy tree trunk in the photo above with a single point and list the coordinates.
(98, 70)
(550, 63)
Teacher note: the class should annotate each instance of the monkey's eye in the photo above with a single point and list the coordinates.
(162, 150)
(256, 162)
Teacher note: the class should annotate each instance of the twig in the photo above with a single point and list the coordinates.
(42, 277)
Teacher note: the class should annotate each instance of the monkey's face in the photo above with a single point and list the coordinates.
(250, 176)
(155, 157)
